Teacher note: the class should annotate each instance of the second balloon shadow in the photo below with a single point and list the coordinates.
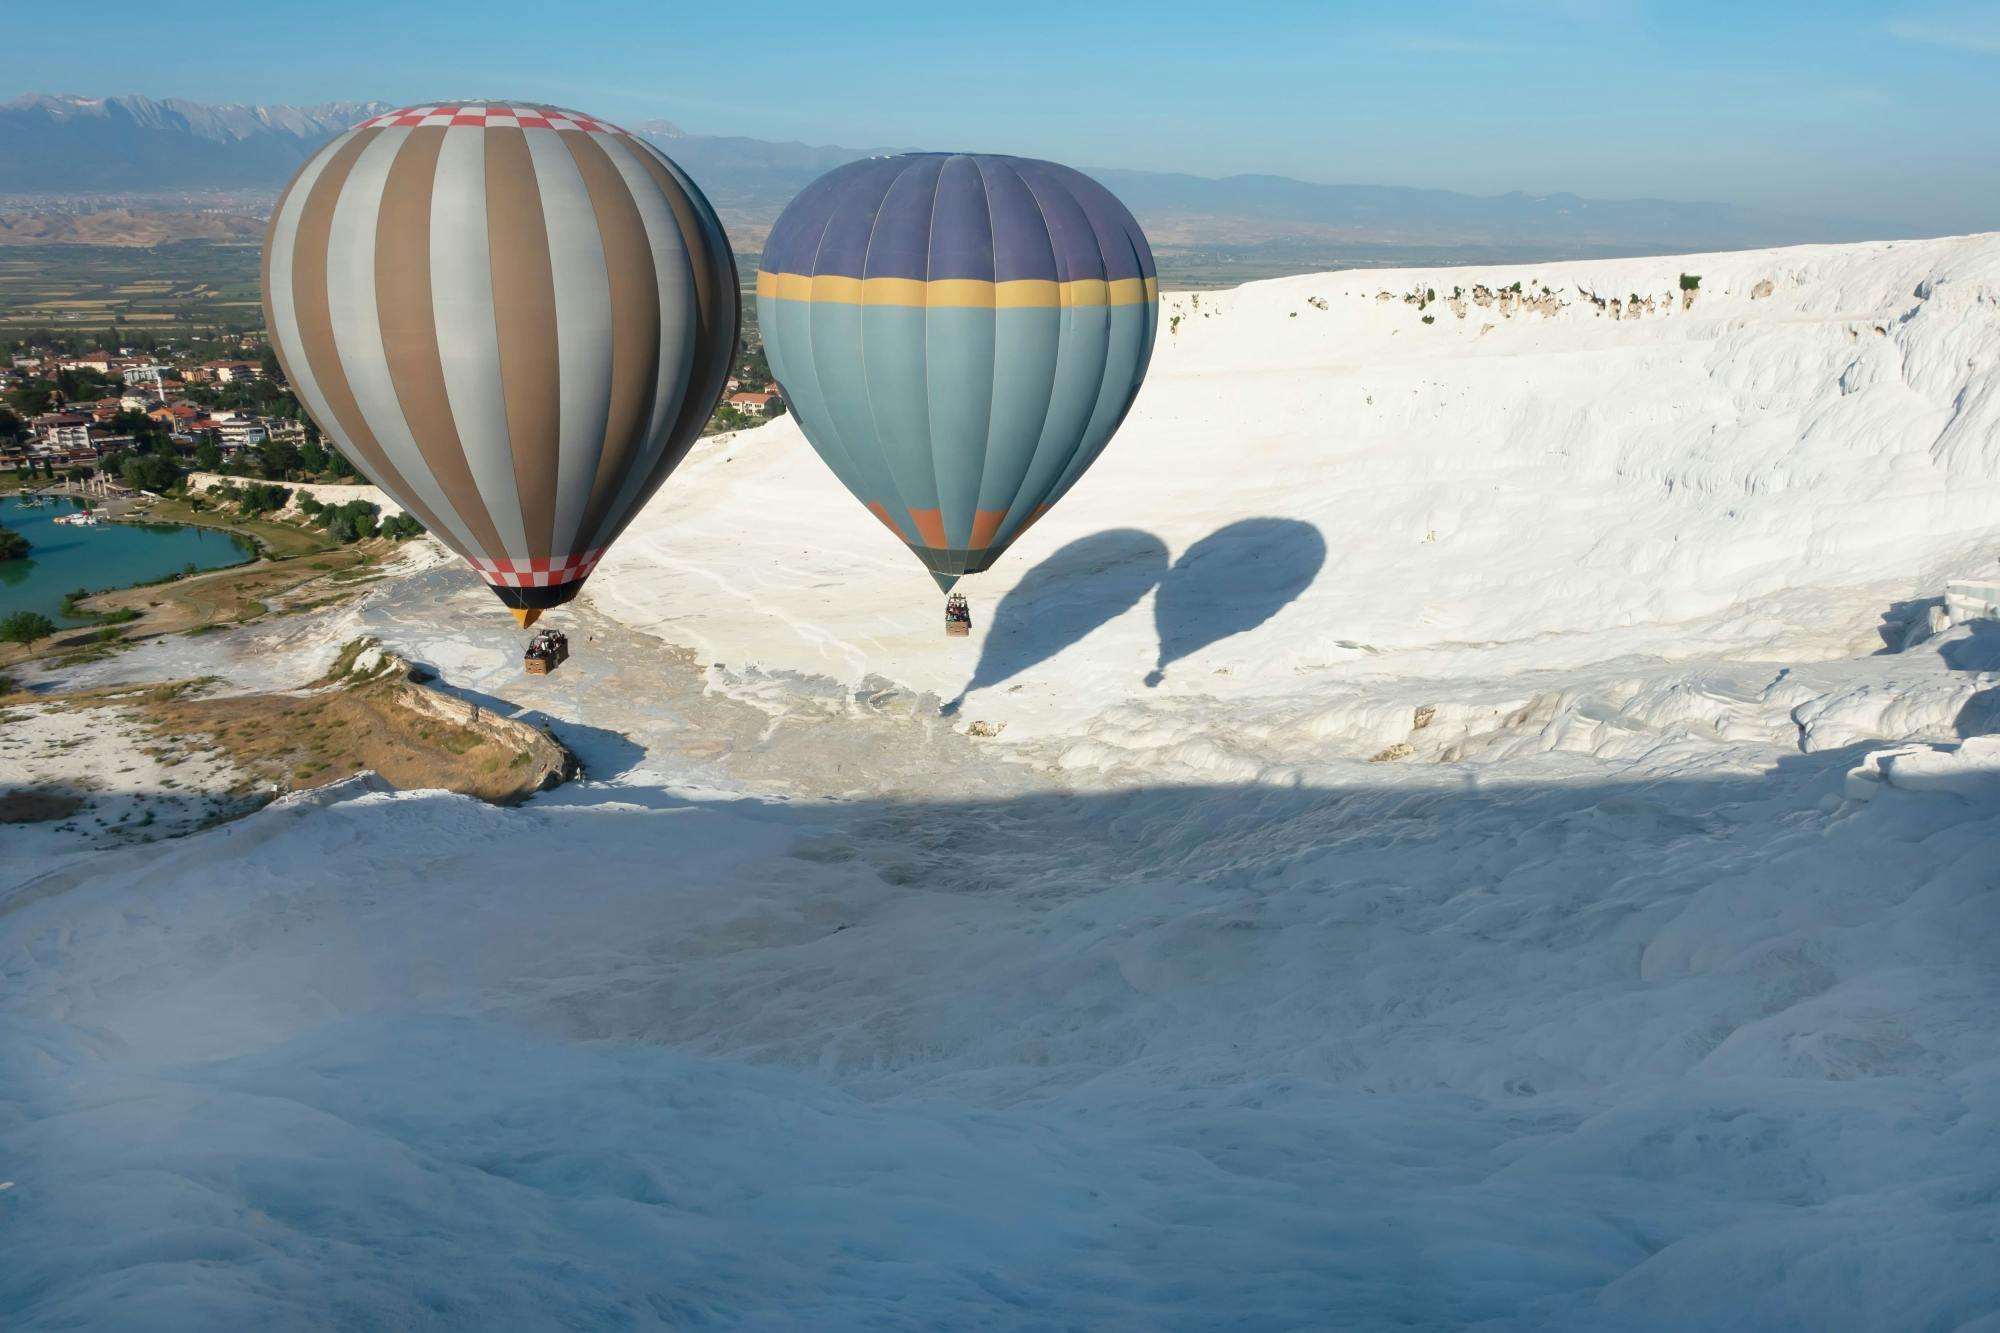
(1229, 582)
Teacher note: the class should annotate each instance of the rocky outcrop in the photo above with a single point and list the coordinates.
(544, 761)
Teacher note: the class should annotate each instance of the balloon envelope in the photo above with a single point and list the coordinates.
(513, 319)
(959, 336)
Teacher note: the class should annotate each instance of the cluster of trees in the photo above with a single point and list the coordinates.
(260, 498)
(348, 521)
(43, 465)
(31, 398)
(278, 460)
(753, 372)
(82, 383)
(25, 627)
(151, 464)
(730, 418)
(753, 368)
(69, 342)
(203, 342)
(353, 520)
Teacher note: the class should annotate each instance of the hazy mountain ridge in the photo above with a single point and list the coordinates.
(51, 143)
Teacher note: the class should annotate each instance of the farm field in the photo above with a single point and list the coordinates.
(165, 290)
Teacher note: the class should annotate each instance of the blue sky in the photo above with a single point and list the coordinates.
(1869, 110)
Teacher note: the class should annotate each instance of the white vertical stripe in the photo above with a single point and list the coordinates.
(467, 333)
(583, 329)
(357, 329)
(284, 310)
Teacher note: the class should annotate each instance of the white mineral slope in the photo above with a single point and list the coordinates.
(1495, 493)
(1597, 1046)
(1647, 984)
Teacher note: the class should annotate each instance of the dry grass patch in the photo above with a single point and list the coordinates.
(375, 719)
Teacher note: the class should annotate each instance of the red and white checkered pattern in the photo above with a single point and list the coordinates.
(524, 117)
(543, 573)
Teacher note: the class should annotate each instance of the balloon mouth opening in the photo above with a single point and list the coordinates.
(1154, 677)
(528, 603)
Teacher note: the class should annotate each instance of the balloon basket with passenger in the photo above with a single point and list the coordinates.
(957, 616)
(548, 650)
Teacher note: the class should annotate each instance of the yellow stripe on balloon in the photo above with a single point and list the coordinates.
(1020, 293)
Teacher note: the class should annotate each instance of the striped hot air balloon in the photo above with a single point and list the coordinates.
(513, 319)
(959, 336)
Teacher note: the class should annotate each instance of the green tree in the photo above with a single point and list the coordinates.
(312, 458)
(26, 627)
(131, 421)
(13, 546)
(352, 521)
(149, 472)
(31, 398)
(82, 383)
(277, 459)
(261, 498)
(208, 456)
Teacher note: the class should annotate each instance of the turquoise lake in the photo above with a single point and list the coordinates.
(110, 555)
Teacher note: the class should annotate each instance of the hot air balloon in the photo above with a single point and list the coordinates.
(959, 335)
(513, 319)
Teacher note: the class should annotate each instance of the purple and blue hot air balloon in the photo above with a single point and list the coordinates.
(959, 336)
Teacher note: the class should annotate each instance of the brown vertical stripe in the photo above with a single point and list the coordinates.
(409, 329)
(635, 324)
(718, 314)
(524, 309)
(309, 295)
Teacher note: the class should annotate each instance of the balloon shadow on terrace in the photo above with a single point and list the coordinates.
(1092, 580)
(1232, 581)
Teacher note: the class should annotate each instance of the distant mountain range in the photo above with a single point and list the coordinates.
(128, 144)
(52, 145)
(754, 179)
